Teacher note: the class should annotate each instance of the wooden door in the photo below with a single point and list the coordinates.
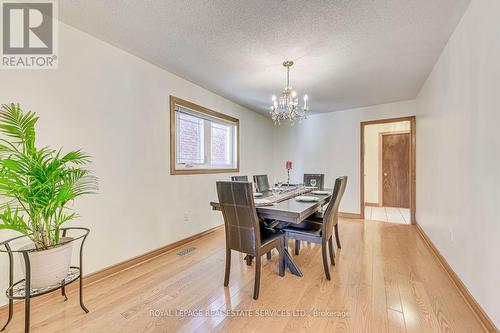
(396, 170)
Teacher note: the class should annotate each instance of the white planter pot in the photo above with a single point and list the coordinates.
(49, 267)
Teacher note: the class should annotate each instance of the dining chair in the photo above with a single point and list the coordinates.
(320, 231)
(317, 178)
(239, 178)
(262, 183)
(319, 217)
(243, 231)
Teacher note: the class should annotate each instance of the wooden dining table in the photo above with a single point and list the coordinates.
(285, 207)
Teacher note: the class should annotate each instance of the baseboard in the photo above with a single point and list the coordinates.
(129, 263)
(487, 323)
(372, 204)
(121, 266)
(349, 215)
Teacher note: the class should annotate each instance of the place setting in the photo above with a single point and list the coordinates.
(307, 198)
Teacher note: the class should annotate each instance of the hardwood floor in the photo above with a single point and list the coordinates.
(386, 280)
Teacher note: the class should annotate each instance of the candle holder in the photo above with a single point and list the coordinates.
(288, 167)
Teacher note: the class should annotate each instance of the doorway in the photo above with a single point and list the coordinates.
(387, 170)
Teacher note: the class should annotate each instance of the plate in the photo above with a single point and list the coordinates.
(320, 192)
(311, 187)
(306, 198)
(257, 194)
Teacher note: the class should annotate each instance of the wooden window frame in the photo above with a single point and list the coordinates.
(173, 170)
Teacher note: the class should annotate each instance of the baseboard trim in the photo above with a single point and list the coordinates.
(349, 215)
(372, 204)
(121, 266)
(487, 323)
(127, 264)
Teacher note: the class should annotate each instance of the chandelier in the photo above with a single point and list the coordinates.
(287, 105)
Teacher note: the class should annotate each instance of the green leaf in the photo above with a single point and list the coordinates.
(37, 183)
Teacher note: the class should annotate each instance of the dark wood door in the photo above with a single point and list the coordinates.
(396, 170)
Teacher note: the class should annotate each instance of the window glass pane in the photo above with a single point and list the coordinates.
(189, 139)
(220, 144)
(204, 140)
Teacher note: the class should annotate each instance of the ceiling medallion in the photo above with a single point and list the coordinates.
(287, 105)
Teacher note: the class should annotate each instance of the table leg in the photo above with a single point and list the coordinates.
(291, 264)
(27, 312)
(63, 290)
(11, 311)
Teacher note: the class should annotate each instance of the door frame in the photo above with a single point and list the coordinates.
(380, 163)
(412, 120)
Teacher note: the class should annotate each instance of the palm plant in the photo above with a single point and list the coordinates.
(36, 184)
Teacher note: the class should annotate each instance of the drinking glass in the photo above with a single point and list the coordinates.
(313, 182)
(274, 188)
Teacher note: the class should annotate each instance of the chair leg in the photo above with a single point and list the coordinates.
(297, 247)
(336, 227)
(228, 267)
(268, 255)
(332, 251)
(281, 251)
(257, 278)
(325, 260)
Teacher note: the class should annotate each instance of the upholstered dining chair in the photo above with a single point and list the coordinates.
(262, 183)
(320, 231)
(318, 177)
(243, 232)
(239, 178)
(320, 215)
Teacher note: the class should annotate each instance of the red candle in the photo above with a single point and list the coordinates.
(288, 165)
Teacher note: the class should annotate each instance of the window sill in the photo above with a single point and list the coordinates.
(202, 171)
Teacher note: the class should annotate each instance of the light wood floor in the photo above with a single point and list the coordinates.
(386, 280)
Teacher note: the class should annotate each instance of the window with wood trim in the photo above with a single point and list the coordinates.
(202, 140)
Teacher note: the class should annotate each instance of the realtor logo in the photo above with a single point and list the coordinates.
(29, 34)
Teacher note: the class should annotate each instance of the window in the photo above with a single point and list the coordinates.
(202, 140)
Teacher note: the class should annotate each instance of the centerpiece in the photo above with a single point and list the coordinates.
(288, 166)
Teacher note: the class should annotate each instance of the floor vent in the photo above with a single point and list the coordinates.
(186, 251)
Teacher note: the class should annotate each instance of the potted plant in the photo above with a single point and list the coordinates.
(36, 185)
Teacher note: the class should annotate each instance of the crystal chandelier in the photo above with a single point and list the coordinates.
(287, 105)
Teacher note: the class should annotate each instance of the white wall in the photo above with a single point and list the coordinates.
(116, 107)
(329, 143)
(458, 154)
(372, 157)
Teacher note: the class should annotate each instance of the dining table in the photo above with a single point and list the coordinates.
(285, 206)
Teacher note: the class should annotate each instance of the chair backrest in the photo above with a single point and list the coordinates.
(239, 178)
(319, 177)
(240, 216)
(261, 182)
(330, 217)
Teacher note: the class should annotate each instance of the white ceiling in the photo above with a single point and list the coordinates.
(347, 53)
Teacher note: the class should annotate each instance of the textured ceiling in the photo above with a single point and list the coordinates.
(347, 53)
